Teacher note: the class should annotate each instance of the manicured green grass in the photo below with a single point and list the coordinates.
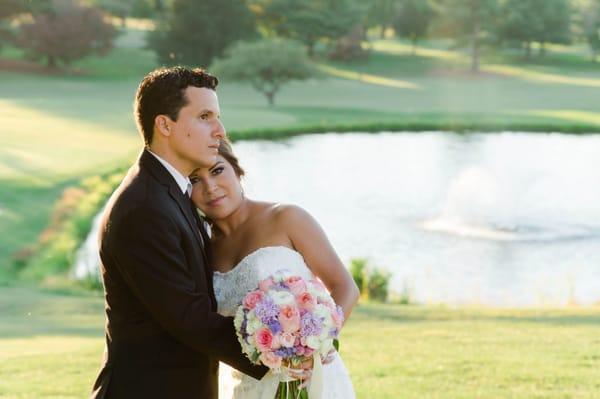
(51, 344)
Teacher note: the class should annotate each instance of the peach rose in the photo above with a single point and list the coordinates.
(287, 340)
(296, 284)
(270, 360)
(306, 301)
(289, 318)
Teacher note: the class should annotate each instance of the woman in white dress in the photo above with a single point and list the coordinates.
(252, 240)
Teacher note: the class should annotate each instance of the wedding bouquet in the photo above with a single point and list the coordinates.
(285, 320)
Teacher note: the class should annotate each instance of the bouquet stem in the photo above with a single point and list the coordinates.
(291, 390)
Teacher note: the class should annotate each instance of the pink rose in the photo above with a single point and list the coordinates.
(270, 360)
(306, 301)
(289, 318)
(263, 339)
(251, 299)
(338, 318)
(296, 284)
(265, 284)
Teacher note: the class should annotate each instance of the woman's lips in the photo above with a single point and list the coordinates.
(216, 201)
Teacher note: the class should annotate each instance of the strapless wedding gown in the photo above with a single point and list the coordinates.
(231, 287)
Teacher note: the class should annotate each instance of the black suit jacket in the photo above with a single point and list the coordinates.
(163, 336)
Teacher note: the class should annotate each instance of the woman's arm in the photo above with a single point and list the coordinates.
(309, 239)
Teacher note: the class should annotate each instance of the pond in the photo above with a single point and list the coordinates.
(502, 219)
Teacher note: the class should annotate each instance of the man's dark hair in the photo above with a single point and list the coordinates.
(162, 92)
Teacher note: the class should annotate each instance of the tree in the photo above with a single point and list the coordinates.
(589, 21)
(195, 32)
(309, 21)
(267, 64)
(12, 8)
(68, 33)
(119, 8)
(380, 14)
(470, 19)
(542, 21)
(412, 20)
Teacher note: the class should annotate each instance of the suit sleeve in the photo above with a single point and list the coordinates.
(150, 257)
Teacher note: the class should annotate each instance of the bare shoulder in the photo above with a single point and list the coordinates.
(288, 213)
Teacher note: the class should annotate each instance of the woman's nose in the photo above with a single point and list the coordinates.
(210, 186)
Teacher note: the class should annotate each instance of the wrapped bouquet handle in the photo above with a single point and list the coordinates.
(315, 388)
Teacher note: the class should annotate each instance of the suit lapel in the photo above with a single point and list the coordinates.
(182, 200)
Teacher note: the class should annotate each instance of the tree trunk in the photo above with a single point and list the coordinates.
(475, 43)
(311, 49)
(270, 97)
(528, 51)
(542, 49)
(51, 61)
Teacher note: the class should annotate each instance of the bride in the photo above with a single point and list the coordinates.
(252, 240)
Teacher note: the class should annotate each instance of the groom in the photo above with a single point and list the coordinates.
(163, 336)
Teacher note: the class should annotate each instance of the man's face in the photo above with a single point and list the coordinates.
(195, 136)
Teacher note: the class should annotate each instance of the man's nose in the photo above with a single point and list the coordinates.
(219, 131)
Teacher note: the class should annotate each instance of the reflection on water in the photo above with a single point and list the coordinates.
(508, 219)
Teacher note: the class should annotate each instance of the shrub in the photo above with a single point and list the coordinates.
(71, 222)
(359, 272)
(372, 284)
(378, 285)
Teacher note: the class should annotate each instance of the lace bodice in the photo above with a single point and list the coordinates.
(232, 286)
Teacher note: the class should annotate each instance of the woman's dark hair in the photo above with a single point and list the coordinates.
(162, 92)
(226, 152)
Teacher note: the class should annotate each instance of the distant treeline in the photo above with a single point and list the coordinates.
(196, 32)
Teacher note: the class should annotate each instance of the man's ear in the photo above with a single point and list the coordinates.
(162, 123)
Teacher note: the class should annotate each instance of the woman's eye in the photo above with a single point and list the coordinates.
(204, 117)
(194, 180)
(217, 171)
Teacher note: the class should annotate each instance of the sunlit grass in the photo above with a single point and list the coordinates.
(368, 78)
(523, 73)
(51, 146)
(51, 345)
(570, 115)
(398, 48)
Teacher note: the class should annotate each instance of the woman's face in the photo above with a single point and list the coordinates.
(216, 191)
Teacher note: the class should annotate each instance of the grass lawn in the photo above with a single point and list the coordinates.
(51, 345)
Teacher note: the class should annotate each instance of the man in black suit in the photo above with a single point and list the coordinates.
(163, 336)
